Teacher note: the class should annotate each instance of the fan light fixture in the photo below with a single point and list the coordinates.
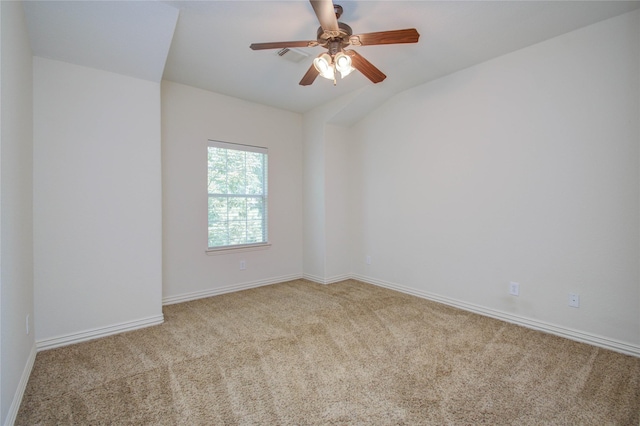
(343, 64)
(327, 66)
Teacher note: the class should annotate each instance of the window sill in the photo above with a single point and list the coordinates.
(237, 249)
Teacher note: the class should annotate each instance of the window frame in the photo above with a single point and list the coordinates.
(264, 197)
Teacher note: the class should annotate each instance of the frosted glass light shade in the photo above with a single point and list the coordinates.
(324, 66)
(343, 64)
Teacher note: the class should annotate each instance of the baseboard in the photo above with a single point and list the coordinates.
(330, 280)
(185, 297)
(22, 386)
(565, 332)
(96, 333)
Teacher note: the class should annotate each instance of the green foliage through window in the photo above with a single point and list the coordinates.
(237, 186)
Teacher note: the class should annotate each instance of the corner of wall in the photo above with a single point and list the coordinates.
(22, 386)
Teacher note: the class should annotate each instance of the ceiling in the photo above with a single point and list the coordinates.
(205, 44)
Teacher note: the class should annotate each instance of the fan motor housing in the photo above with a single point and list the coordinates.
(344, 32)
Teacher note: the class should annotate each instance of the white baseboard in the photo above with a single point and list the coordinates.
(185, 297)
(22, 386)
(580, 336)
(95, 333)
(313, 278)
(330, 280)
(592, 339)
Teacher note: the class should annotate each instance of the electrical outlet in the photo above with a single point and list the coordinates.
(514, 289)
(368, 260)
(243, 265)
(574, 300)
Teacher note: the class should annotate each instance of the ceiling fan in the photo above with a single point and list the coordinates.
(335, 37)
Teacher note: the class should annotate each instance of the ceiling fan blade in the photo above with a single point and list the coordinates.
(310, 76)
(283, 44)
(365, 67)
(409, 35)
(326, 16)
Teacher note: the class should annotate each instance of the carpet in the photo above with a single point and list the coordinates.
(299, 353)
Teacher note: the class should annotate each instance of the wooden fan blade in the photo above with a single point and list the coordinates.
(326, 16)
(283, 44)
(310, 76)
(409, 35)
(365, 67)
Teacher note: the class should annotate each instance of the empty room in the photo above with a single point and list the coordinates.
(300, 212)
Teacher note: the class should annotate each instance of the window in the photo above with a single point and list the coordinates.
(237, 186)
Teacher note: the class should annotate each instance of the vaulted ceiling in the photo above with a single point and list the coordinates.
(205, 44)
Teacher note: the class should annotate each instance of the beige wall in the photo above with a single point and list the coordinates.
(524, 168)
(17, 347)
(190, 117)
(97, 202)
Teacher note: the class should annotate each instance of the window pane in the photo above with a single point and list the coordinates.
(237, 232)
(255, 208)
(254, 231)
(255, 221)
(237, 209)
(218, 223)
(217, 171)
(217, 209)
(255, 173)
(236, 172)
(218, 235)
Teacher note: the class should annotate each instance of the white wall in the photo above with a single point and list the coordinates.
(190, 117)
(336, 216)
(314, 196)
(17, 348)
(326, 189)
(326, 193)
(524, 168)
(97, 202)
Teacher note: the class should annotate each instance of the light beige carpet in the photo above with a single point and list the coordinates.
(347, 353)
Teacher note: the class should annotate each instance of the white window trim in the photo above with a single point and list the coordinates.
(239, 248)
(235, 146)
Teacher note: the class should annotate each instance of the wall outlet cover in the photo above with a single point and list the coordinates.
(514, 288)
(574, 300)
